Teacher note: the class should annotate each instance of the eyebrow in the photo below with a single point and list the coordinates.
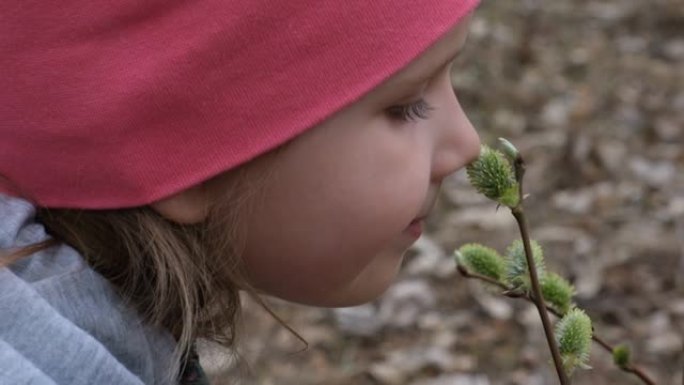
(413, 79)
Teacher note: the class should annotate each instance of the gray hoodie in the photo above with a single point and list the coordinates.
(63, 323)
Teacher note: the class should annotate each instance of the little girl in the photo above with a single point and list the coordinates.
(158, 157)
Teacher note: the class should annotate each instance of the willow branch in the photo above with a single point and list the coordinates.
(510, 292)
(538, 300)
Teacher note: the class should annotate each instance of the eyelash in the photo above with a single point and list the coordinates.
(410, 112)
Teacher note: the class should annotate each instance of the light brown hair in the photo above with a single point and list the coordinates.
(183, 278)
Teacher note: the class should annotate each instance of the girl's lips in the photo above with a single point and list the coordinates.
(415, 228)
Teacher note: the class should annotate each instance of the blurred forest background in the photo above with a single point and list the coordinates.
(592, 92)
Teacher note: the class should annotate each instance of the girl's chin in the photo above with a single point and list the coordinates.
(334, 291)
(353, 294)
(343, 300)
(365, 288)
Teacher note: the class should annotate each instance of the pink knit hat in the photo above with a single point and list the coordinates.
(118, 103)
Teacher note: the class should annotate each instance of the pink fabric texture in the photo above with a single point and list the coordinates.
(118, 103)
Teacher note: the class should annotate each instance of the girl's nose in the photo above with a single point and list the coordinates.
(456, 142)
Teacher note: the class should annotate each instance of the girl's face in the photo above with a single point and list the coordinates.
(343, 202)
(340, 204)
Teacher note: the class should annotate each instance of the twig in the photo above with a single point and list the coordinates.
(629, 368)
(510, 292)
(538, 300)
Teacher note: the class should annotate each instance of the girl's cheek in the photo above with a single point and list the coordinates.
(323, 220)
(303, 253)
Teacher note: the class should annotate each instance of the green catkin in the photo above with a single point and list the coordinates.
(557, 291)
(517, 273)
(573, 334)
(481, 260)
(492, 175)
(509, 149)
(621, 355)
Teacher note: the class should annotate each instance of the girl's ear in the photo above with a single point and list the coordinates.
(186, 207)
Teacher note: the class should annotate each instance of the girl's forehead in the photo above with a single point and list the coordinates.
(434, 58)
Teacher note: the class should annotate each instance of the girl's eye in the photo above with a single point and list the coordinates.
(410, 112)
